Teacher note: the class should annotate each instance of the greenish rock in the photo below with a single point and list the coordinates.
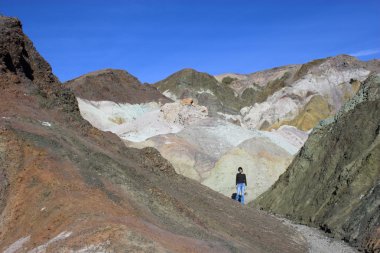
(258, 94)
(228, 80)
(204, 88)
(334, 181)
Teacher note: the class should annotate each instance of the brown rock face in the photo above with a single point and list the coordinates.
(114, 85)
(28, 76)
(65, 186)
(19, 57)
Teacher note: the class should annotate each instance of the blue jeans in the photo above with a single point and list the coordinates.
(240, 188)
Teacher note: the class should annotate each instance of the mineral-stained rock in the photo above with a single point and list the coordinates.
(299, 95)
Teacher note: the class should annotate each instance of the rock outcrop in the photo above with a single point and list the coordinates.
(203, 88)
(68, 187)
(334, 181)
(24, 72)
(19, 60)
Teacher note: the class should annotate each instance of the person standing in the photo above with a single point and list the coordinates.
(241, 183)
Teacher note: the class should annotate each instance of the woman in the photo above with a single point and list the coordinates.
(241, 183)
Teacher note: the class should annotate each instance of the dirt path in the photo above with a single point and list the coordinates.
(319, 242)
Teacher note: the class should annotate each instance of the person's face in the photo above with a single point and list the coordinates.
(240, 171)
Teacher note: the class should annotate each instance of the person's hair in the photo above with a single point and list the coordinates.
(240, 169)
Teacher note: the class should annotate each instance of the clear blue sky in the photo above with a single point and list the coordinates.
(153, 39)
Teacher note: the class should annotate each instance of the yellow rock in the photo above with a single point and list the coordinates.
(315, 110)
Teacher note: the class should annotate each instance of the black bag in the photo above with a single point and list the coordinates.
(233, 196)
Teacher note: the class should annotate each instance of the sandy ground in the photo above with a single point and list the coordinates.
(319, 242)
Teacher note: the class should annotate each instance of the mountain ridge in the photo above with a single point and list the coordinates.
(270, 98)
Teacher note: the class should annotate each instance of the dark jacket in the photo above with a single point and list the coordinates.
(241, 179)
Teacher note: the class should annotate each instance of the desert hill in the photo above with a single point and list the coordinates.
(114, 85)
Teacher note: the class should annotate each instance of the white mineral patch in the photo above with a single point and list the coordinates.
(137, 122)
(45, 123)
(170, 95)
(99, 248)
(146, 126)
(14, 247)
(206, 91)
(105, 115)
(59, 237)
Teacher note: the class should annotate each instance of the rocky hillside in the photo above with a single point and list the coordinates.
(114, 85)
(334, 181)
(68, 187)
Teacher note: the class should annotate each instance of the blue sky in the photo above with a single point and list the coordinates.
(153, 39)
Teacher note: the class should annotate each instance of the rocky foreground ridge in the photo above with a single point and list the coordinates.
(334, 181)
(67, 187)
